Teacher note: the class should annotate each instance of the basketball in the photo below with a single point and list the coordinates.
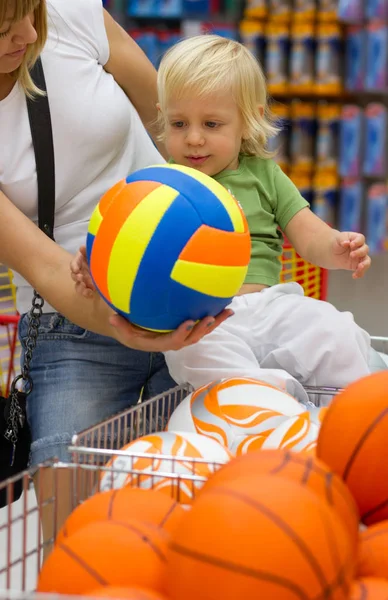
(369, 588)
(183, 447)
(127, 593)
(373, 551)
(239, 412)
(122, 505)
(267, 537)
(106, 553)
(353, 441)
(305, 470)
(166, 245)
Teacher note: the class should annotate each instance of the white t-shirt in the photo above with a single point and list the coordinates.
(98, 136)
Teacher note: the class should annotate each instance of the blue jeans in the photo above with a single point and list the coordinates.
(81, 378)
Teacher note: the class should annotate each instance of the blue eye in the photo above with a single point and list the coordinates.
(211, 124)
(178, 124)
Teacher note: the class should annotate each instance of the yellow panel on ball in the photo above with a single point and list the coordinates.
(213, 280)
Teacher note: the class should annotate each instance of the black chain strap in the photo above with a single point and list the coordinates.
(16, 416)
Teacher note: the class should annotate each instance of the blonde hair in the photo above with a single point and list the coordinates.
(22, 9)
(205, 64)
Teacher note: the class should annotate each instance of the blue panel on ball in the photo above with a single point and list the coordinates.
(184, 304)
(89, 243)
(210, 210)
(150, 293)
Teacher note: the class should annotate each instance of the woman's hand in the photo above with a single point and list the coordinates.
(188, 333)
(140, 339)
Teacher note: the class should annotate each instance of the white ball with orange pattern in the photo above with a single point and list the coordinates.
(147, 464)
(229, 410)
(299, 433)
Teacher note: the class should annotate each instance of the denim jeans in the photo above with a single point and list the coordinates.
(81, 378)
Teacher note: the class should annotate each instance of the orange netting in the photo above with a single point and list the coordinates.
(294, 268)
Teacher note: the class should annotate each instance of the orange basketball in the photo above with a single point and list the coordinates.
(122, 505)
(127, 593)
(353, 441)
(266, 537)
(369, 588)
(106, 553)
(373, 551)
(302, 468)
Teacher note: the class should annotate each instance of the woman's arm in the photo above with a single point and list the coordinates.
(134, 73)
(46, 266)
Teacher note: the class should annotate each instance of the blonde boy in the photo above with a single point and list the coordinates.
(214, 116)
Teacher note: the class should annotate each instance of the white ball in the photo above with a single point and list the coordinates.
(231, 409)
(164, 461)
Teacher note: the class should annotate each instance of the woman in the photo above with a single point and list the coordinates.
(100, 88)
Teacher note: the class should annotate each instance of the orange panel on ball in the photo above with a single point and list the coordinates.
(109, 196)
(125, 202)
(211, 246)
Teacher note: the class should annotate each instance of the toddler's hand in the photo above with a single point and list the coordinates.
(352, 253)
(80, 274)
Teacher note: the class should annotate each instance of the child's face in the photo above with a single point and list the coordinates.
(204, 133)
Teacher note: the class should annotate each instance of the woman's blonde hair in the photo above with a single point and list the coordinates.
(205, 64)
(21, 9)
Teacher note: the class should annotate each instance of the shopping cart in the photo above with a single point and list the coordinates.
(21, 545)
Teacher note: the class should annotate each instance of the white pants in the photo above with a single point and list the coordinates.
(279, 336)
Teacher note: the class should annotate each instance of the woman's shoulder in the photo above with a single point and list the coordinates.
(82, 21)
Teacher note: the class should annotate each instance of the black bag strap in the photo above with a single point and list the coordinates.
(42, 138)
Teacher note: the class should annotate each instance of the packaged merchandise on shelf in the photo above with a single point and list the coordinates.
(142, 8)
(375, 153)
(304, 10)
(280, 10)
(376, 56)
(302, 58)
(351, 137)
(325, 193)
(256, 9)
(355, 58)
(351, 11)
(328, 121)
(377, 203)
(327, 10)
(304, 183)
(196, 8)
(252, 36)
(303, 119)
(280, 143)
(276, 59)
(350, 207)
(169, 8)
(376, 9)
(328, 77)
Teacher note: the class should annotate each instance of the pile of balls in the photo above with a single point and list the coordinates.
(268, 524)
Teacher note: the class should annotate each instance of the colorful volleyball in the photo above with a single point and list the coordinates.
(239, 412)
(166, 245)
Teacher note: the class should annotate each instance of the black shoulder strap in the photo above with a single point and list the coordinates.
(42, 139)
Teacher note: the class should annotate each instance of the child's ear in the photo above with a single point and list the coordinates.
(261, 110)
(158, 107)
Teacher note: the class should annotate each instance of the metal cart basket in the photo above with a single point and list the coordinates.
(21, 546)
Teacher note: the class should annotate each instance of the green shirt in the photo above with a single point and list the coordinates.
(269, 200)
